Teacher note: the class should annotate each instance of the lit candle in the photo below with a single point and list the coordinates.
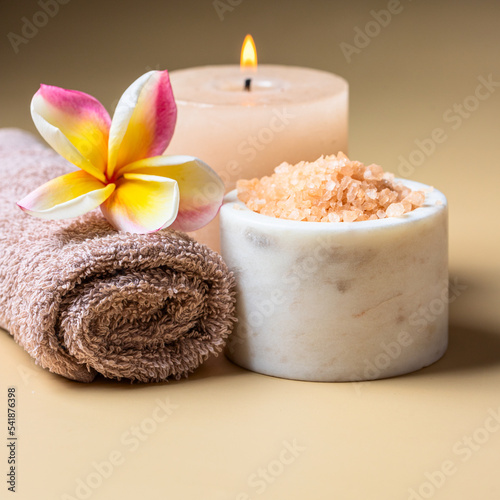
(244, 121)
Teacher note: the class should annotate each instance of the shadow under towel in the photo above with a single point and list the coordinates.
(83, 299)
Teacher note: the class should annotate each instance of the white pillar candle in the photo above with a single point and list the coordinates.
(338, 301)
(290, 114)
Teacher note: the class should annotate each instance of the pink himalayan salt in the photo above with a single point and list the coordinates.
(330, 189)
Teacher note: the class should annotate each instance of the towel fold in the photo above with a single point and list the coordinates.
(83, 299)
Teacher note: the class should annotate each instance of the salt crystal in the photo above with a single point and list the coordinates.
(416, 198)
(330, 185)
(395, 210)
(333, 217)
(351, 193)
(349, 216)
(406, 205)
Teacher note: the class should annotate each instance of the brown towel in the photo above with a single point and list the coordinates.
(83, 299)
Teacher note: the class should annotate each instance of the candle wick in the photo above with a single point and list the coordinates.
(248, 84)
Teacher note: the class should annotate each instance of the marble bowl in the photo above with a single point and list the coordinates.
(338, 301)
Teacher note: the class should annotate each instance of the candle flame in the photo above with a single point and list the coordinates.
(248, 54)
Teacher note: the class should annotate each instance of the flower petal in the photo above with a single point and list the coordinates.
(75, 124)
(67, 196)
(144, 120)
(201, 189)
(142, 203)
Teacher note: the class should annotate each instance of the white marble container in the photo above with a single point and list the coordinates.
(342, 301)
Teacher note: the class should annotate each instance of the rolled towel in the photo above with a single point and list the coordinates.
(83, 299)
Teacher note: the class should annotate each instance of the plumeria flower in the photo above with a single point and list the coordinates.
(122, 166)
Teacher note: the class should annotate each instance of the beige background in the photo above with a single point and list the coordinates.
(373, 440)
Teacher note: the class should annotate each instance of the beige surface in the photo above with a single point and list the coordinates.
(362, 441)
